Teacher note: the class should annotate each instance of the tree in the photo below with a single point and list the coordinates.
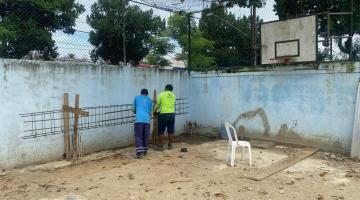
(27, 25)
(178, 27)
(200, 46)
(160, 47)
(356, 48)
(71, 56)
(339, 26)
(107, 20)
(244, 3)
(201, 49)
(232, 39)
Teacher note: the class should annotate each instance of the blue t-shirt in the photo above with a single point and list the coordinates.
(142, 108)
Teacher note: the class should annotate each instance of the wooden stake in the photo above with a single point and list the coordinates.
(76, 121)
(154, 138)
(66, 127)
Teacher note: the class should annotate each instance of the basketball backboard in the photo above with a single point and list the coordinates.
(293, 38)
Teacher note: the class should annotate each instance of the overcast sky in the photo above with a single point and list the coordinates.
(79, 45)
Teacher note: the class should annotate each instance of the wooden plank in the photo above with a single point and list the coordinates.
(66, 127)
(76, 121)
(355, 145)
(78, 111)
(154, 135)
(83, 113)
(282, 164)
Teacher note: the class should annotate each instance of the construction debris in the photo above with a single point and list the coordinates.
(131, 176)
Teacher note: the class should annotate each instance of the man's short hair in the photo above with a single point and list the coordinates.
(169, 87)
(144, 92)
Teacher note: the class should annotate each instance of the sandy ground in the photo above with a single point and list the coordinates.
(200, 173)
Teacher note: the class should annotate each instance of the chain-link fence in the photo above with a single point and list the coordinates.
(203, 34)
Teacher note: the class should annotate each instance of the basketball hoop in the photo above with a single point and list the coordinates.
(285, 42)
(286, 60)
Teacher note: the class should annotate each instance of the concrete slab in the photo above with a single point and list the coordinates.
(67, 197)
(50, 166)
(64, 163)
(282, 164)
(97, 156)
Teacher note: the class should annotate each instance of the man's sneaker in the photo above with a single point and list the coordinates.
(169, 146)
(138, 156)
(160, 147)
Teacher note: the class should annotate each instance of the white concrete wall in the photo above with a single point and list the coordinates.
(302, 104)
(288, 104)
(30, 86)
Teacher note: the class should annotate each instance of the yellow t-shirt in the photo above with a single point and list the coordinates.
(166, 102)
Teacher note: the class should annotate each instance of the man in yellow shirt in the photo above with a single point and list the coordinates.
(166, 120)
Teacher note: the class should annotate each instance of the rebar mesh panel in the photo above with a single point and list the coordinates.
(46, 123)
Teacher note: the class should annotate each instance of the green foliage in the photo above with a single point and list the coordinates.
(232, 40)
(200, 52)
(160, 47)
(200, 46)
(356, 48)
(27, 25)
(177, 28)
(107, 20)
(324, 55)
(350, 67)
(72, 56)
(245, 3)
(156, 59)
(340, 24)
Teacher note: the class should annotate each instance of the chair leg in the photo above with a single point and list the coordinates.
(249, 149)
(228, 155)
(233, 150)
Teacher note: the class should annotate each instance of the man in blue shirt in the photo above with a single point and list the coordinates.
(142, 108)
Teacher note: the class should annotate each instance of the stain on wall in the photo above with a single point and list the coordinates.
(289, 134)
(254, 113)
(241, 131)
(5, 71)
(284, 133)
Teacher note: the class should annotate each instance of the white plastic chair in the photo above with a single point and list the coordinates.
(235, 143)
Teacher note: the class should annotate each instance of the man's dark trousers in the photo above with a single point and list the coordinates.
(142, 133)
